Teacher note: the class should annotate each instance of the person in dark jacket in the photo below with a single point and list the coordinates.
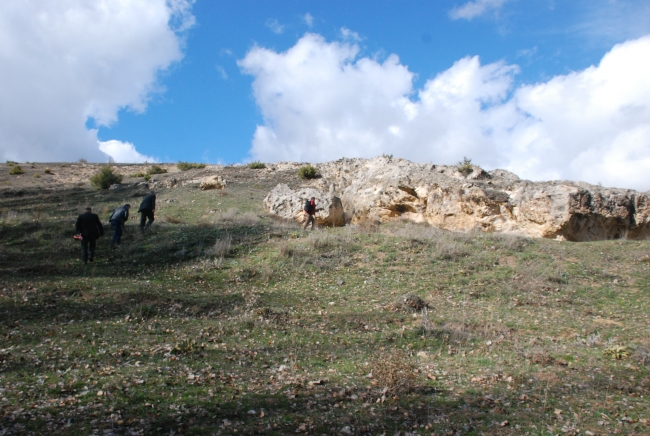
(90, 228)
(118, 218)
(147, 207)
(310, 211)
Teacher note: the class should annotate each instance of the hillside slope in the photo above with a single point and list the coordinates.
(223, 318)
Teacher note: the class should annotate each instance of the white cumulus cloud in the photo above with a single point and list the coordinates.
(473, 9)
(64, 62)
(320, 101)
(123, 152)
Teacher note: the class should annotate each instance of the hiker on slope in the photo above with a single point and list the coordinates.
(90, 228)
(118, 218)
(147, 207)
(310, 212)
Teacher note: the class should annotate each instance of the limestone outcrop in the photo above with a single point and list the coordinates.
(386, 189)
(212, 182)
(286, 203)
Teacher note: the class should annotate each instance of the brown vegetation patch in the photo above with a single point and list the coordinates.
(394, 373)
(408, 303)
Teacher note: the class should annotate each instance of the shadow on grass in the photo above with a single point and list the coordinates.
(327, 408)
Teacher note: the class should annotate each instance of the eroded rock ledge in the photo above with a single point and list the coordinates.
(387, 189)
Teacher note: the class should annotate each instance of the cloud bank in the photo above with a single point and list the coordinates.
(65, 62)
(320, 101)
(123, 152)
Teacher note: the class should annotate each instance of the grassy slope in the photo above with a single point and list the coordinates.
(225, 321)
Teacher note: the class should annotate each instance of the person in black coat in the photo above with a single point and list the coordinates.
(90, 228)
(147, 207)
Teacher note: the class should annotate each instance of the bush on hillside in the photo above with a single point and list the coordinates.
(105, 178)
(184, 166)
(308, 172)
(257, 165)
(155, 169)
(16, 170)
(465, 166)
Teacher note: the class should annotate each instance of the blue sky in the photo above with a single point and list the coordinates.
(307, 80)
(207, 112)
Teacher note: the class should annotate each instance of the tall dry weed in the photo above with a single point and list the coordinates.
(366, 225)
(222, 247)
(237, 218)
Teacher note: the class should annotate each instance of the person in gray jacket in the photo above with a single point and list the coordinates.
(118, 218)
(147, 208)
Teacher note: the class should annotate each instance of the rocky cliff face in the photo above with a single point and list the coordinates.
(386, 189)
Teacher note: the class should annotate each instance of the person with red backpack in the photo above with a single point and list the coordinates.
(310, 212)
(89, 229)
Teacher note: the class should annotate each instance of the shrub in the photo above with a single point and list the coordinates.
(82, 160)
(11, 163)
(47, 171)
(139, 174)
(308, 172)
(105, 178)
(37, 176)
(16, 170)
(394, 373)
(184, 166)
(147, 177)
(257, 165)
(155, 169)
(465, 166)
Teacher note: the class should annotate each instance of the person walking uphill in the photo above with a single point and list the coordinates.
(310, 211)
(90, 228)
(147, 207)
(118, 218)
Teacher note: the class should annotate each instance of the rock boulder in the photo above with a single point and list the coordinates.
(212, 182)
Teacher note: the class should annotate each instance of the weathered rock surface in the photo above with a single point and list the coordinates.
(386, 189)
(212, 182)
(286, 203)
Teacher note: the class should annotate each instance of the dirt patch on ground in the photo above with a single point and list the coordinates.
(604, 321)
(509, 261)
